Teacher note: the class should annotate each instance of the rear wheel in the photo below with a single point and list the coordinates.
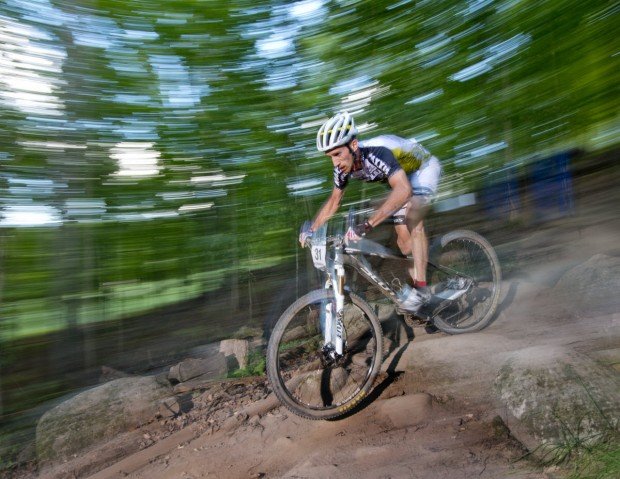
(466, 282)
(307, 376)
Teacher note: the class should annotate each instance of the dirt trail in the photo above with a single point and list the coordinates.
(369, 444)
(435, 415)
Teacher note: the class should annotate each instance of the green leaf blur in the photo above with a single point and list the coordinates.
(153, 151)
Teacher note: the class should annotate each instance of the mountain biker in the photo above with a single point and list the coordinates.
(412, 174)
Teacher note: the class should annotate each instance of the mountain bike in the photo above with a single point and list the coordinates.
(326, 349)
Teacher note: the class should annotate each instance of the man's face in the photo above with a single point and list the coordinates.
(342, 158)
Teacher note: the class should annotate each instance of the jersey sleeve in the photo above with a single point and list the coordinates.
(340, 179)
(383, 159)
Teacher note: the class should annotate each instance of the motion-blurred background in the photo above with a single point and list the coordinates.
(157, 157)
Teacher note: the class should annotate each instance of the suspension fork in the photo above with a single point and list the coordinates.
(334, 327)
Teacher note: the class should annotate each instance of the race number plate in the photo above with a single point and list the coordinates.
(318, 254)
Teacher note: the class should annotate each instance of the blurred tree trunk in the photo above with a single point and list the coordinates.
(66, 352)
(90, 285)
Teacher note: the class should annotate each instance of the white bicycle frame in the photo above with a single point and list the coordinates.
(333, 328)
(332, 321)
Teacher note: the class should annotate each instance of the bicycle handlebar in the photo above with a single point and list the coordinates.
(306, 227)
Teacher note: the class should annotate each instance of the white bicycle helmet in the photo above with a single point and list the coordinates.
(337, 131)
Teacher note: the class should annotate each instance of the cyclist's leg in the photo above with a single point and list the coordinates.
(418, 207)
(403, 237)
(424, 183)
(413, 241)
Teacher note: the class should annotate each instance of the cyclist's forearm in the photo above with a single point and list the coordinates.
(396, 199)
(326, 212)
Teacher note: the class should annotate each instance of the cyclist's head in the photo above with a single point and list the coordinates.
(339, 130)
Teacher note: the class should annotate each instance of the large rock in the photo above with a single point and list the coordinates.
(591, 286)
(97, 415)
(551, 394)
(209, 368)
(236, 353)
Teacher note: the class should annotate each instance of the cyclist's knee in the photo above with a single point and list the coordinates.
(418, 230)
(415, 215)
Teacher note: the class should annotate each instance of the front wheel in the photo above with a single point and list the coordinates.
(306, 375)
(466, 278)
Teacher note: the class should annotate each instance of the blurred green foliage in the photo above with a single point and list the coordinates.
(227, 95)
(152, 151)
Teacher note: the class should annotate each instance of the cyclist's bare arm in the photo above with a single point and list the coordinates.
(328, 209)
(401, 192)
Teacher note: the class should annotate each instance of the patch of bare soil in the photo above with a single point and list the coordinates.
(204, 410)
(402, 433)
(434, 416)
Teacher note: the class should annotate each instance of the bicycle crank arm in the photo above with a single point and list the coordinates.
(451, 294)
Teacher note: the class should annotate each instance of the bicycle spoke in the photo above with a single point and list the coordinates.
(468, 276)
(314, 378)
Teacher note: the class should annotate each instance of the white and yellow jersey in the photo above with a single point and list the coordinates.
(410, 154)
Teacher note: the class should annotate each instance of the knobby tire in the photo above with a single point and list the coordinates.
(469, 254)
(302, 379)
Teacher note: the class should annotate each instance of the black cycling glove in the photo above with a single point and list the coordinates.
(363, 229)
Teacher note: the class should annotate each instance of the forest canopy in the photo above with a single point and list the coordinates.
(151, 148)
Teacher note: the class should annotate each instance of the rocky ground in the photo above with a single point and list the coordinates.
(444, 406)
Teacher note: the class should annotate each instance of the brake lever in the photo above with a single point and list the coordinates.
(306, 227)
